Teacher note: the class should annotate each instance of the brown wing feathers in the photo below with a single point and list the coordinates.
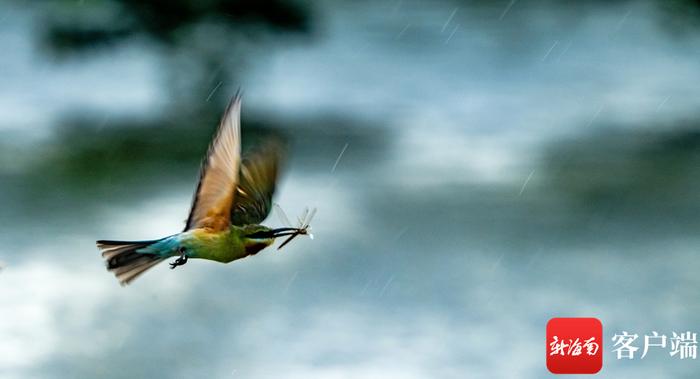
(256, 183)
(211, 206)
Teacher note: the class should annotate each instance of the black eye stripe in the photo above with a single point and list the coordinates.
(261, 234)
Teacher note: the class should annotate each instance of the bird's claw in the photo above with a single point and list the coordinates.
(179, 262)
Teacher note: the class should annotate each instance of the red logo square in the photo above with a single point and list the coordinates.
(574, 345)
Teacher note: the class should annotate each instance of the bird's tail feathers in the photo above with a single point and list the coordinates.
(124, 260)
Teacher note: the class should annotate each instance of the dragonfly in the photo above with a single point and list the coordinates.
(303, 227)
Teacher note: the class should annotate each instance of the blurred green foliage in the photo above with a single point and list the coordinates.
(75, 25)
(622, 168)
(200, 44)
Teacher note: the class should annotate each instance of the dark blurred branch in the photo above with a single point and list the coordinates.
(63, 38)
(628, 167)
(201, 45)
(71, 27)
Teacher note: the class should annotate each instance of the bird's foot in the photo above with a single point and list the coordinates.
(180, 261)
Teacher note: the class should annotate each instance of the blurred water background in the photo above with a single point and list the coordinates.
(478, 168)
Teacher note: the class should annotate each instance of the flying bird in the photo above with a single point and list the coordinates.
(233, 197)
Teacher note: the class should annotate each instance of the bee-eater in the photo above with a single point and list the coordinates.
(233, 197)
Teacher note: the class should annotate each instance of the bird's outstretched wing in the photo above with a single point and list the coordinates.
(211, 205)
(258, 176)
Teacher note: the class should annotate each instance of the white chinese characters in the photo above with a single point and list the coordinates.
(684, 345)
(572, 346)
(624, 345)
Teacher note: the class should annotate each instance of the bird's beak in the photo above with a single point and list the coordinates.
(274, 233)
(281, 232)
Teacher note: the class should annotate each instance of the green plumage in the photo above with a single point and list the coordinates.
(226, 246)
